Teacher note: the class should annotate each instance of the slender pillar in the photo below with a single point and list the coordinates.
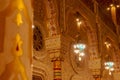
(95, 66)
(57, 47)
(57, 69)
(17, 40)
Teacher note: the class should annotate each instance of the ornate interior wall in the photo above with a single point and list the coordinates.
(55, 31)
(92, 32)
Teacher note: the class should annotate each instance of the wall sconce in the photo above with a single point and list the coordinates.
(109, 65)
(78, 19)
(107, 44)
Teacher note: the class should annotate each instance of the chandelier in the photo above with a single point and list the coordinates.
(109, 64)
(79, 49)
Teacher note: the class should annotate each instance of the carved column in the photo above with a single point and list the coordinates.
(95, 60)
(95, 67)
(17, 40)
(57, 47)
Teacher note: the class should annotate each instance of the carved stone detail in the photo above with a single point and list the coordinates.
(57, 46)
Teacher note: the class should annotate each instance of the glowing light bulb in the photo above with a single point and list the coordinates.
(75, 46)
(118, 6)
(110, 73)
(107, 67)
(108, 8)
(82, 54)
(76, 51)
(111, 5)
(80, 58)
(33, 26)
(112, 69)
(77, 19)
(79, 23)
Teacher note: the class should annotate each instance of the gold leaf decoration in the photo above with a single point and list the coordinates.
(19, 19)
(15, 69)
(20, 4)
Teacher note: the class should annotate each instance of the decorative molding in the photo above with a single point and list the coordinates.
(40, 55)
(40, 72)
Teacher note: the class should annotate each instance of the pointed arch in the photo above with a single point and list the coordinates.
(89, 28)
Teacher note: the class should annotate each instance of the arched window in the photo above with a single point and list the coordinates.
(37, 39)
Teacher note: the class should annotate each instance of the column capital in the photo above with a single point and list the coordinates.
(57, 46)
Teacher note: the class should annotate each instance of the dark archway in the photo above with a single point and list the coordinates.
(35, 77)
